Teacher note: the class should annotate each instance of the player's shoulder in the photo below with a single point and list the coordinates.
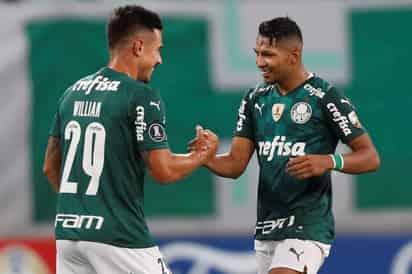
(259, 90)
(318, 87)
(143, 92)
(74, 86)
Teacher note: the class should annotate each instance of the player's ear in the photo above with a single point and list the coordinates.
(294, 56)
(137, 47)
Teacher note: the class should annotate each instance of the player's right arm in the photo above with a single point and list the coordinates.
(147, 112)
(53, 155)
(233, 163)
(52, 161)
(167, 167)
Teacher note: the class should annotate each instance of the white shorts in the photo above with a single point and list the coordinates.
(300, 255)
(81, 257)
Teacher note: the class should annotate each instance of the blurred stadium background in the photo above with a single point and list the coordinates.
(204, 225)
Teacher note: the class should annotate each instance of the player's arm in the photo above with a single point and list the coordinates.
(167, 167)
(52, 161)
(341, 116)
(363, 158)
(233, 163)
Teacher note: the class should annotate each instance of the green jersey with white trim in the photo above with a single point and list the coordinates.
(104, 122)
(308, 120)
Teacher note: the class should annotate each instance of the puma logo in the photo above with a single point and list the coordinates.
(292, 250)
(157, 105)
(259, 107)
(345, 101)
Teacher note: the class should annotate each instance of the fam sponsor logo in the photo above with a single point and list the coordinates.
(99, 83)
(140, 123)
(266, 227)
(340, 119)
(281, 147)
(79, 221)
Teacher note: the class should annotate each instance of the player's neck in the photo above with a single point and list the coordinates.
(293, 81)
(118, 64)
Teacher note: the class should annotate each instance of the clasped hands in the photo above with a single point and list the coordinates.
(204, 145)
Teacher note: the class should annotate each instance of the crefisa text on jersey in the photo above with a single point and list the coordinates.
(281, 147)
(140, 123)
(99, 83)
(314, 91)
(339, 118)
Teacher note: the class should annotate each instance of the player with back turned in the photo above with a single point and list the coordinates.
(108, 129)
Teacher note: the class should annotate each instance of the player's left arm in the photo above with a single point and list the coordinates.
(52, 161)
(343, 121)
(363, 158)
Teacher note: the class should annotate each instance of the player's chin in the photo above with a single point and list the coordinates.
(147, 77)
(269, 79)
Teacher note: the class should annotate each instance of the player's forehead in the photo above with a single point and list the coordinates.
(158, 35)
(265, 43)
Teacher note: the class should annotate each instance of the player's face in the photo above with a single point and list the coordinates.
(151, 56)
(271, 60)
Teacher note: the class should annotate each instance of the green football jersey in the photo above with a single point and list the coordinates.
(104, 121)
(309, 120)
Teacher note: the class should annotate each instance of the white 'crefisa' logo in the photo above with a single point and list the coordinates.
(301, 112)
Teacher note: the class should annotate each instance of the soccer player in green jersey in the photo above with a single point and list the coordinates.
(293, 120)
(109, 127)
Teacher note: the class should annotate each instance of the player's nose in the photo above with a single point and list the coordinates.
(260, 63)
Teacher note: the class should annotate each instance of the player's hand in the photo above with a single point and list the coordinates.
(199, 143)
(212, 142)
(307, 166)
(204, 139)
(205, 144)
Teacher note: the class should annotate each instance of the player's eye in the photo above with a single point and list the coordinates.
(267, 54)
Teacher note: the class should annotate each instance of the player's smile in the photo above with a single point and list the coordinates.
(266, 73)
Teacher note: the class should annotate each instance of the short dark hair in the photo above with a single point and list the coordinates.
(280, 28)
(128, 19)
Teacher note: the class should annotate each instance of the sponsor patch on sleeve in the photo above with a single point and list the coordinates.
(157, 132)
(353, 118)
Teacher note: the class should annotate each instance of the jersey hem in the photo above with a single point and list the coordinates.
(109, 243)
(323, 241)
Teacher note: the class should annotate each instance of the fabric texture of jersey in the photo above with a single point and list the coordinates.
(104, 121)
(311, 119)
